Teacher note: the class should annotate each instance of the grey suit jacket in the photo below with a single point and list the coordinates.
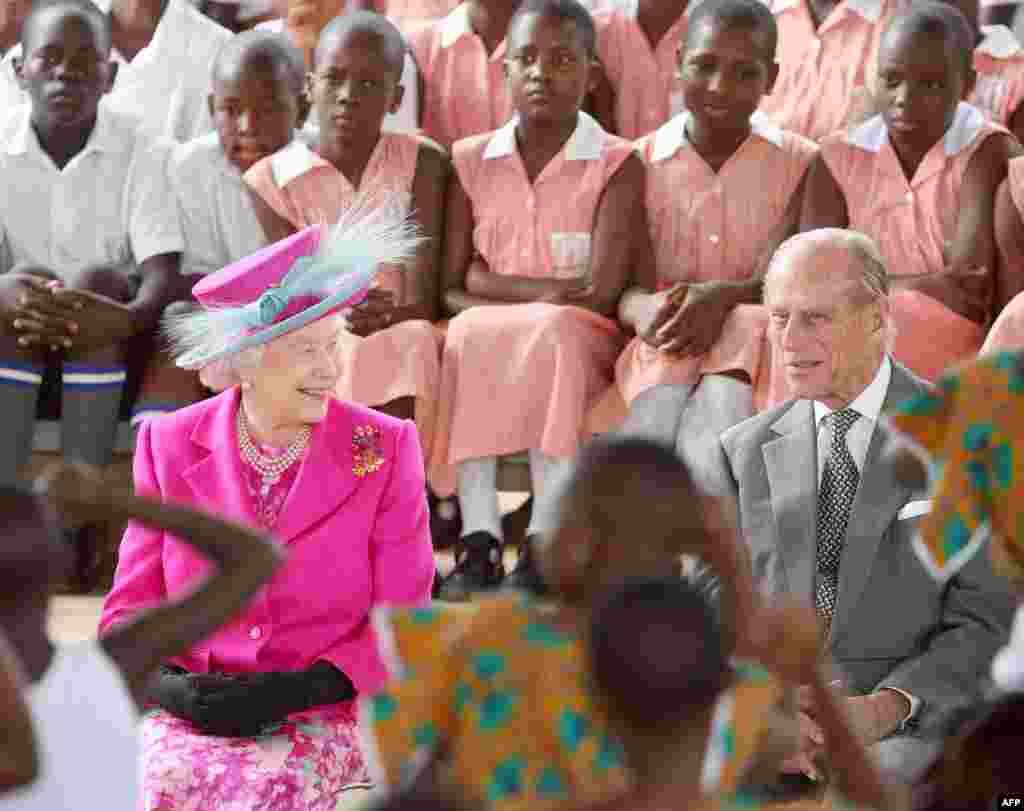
(894, 625)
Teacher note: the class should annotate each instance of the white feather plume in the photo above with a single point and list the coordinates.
(373, 231)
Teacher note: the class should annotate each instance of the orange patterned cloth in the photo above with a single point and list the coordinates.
(972, 427)
(506, 693)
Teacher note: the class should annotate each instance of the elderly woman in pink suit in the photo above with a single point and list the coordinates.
(261, 714)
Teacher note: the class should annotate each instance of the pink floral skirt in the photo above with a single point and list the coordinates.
(304, 764)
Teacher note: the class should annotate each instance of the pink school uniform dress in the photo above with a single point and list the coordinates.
(824, 73)
(999, 62)
(708, 226)
(403, 360)
(911, 222)
(1007, 333)
(645, 79)
(523, 376)
(361, 541)
(464, 86)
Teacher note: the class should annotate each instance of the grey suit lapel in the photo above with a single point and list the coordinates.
(879, 498)
(791, 465)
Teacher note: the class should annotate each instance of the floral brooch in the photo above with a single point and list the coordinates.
(366, 452)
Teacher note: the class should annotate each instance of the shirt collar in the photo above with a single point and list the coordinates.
(967, 122)
(106, 135)
(869, 402)
(999, 42)
(870, 10)
(585, 144)
(671, 137)
(292, 162)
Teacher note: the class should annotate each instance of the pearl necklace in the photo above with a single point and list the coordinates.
(270, 468)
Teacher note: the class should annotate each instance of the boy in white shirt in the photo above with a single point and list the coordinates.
(90, 243)
(255, 99)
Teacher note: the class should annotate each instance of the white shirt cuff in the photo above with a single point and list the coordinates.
(915, 706)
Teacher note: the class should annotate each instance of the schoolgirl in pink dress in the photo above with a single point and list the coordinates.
(827, 52)
(542, 225)
(461, 59)
(639, 50)
(920, 179)
(392, 357)
(724, 187)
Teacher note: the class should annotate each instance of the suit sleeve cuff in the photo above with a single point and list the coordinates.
(915, 707)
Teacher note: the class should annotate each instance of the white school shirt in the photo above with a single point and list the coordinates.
(167, 84)
(868, 404)
(218, 222)
(86, 728)
(111, 204)
(11, 94)
(407, 117)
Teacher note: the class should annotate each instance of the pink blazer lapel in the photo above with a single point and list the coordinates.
(326, 478)
(217, 480)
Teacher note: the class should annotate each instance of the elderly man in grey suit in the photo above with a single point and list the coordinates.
(824, 516)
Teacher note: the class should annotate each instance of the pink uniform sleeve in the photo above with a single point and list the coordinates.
(260, 178)
(139, 581)
(402, 561)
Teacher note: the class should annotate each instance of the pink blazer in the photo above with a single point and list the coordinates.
(352, 542)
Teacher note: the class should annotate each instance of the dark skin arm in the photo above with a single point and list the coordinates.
(690, 316)
(1009, 230)
(965, 284)
(245, 560)
(19, 761)
(616, 233)
(420, 282)
(1016, 124)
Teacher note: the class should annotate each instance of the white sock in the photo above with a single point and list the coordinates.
(478, 496)
(547, 473)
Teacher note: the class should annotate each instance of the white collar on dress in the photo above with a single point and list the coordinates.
(870, 10)
(869, 402)
(455, 25)
(999, 42)
(293, 161)
(671, 136)
(106, 136)
(585, 144)
(967, 122)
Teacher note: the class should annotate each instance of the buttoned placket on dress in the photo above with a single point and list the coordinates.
(530, 250)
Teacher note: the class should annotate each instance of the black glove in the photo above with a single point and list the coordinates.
(184, 694)
(242, 705)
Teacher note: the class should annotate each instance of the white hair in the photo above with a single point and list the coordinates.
(232, 370)
(868, 264)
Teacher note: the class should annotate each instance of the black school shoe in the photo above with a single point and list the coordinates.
(478, 567)
(526, 575)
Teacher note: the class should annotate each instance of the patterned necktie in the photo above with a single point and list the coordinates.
(835, 498)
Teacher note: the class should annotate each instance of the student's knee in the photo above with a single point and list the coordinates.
(112, 355)
(13, 352)
(111, 282)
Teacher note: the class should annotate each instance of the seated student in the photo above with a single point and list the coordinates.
(827, 54)
(920, 179)
(711, 234)
(256, 83)
(661, 673)
(86, 698)
(541, 230)
(90, 244)
(494, 694)
(999, 63)
(163, 50)
(1007, 332)
(393, 360)
(639, 49)
(304, 21)
(19, 757)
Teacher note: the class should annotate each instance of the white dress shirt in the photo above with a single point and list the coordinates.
(167, 84)
(111, 204)
(868, 404)
(218, 222)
